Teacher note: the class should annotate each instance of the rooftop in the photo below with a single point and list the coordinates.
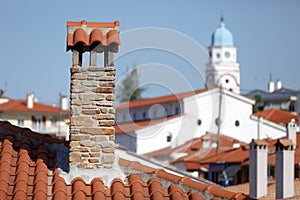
(30, 168)
(16, 105)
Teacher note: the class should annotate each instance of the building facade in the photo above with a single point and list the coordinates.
(37, 116)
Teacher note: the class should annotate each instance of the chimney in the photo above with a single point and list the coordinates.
(292, 131)
(63, 102)
(92, 94)
(285, 155)
(30, 100)
(278, 84)
(271, 85)
(258, 168)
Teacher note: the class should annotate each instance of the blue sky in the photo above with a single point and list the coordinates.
(33, 41)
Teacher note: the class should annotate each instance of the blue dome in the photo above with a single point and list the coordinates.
(222, 36)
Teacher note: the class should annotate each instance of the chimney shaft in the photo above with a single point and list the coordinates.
(30, 100)
(285, 155)
(92, 98)
(258, 166)
(64, 102)
(292, 131)
(278, 84)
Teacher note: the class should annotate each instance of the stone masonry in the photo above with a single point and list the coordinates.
(92, 118)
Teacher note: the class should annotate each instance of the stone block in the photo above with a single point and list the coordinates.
(91, 97)
(87, 143)
(107, 122)
(94, 160)
(95, 69)
(79, 149)
(89, 107)
(105, 89)
(87, 165)
(89, 83)
(103, 110)
(107, 144)
(98, 131)
(94, 155)
(105, 116)
(95, 149)
(108, 150)
(112, 111)
(75, 110)
(78, 89)
(101, 138)
(107, 84)
(75, 70)
(78, 76)
(74, 137)
(80, 102)
(105, 103)
(110, 97)
(81, 121)
(107, 158)
(90, 112)
(75, 157)
(74, 143)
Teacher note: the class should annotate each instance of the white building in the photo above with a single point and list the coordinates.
(150, 124)
(37, 116)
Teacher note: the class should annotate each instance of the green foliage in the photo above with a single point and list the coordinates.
(129, 89)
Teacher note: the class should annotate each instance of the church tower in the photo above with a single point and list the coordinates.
(223, 70)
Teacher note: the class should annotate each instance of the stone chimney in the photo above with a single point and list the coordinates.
(92, 94)
(285, 155)
(258, 168)
(292, 131)
(30, 100)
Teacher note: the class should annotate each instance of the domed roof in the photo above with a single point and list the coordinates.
(222, 36)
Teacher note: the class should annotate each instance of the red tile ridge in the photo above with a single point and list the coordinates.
(161, 173)
(155, 189)
(136, 187)
(95, 24)
(117, 189)
(175, 192)
(98, 190)
(157, 100)
(194, 195)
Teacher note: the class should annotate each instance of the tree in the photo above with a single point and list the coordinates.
(129, 89)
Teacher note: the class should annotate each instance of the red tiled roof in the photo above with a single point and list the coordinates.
(130, 127)
(96, 35)
(277, 116)
(238, 155)
(157, 100)
(28, 170)
(195, 153)
(271, 189)
(16, 105)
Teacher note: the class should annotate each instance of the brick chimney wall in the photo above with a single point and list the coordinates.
(92, 94)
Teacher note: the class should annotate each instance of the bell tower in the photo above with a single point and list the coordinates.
(223, 70)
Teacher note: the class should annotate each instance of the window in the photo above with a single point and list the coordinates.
(199, 122)
(36, 122)
(176, 110)
(237, 123)
(53, 121)
(21, 121)
(169, 137)
(226, 81)
(144, 115)
(218, 121)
